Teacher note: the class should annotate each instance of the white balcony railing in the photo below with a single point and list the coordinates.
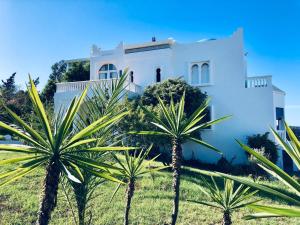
(258, 82)
(103, 84)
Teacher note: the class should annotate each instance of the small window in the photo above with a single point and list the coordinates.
(108, 71)
(158, 75)
(205, 73)
(195, 74)
(279, 118)
(131, 77)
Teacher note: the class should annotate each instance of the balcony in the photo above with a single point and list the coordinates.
(103, 84)
(258, 82)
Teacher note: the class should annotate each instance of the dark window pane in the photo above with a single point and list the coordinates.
(112, 67)
(104, 68)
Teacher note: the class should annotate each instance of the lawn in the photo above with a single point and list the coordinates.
(152, 203)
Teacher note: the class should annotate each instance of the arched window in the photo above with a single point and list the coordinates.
(131, 77)
(108, 71)
(205, 73)
(195, 74)
(158, 75)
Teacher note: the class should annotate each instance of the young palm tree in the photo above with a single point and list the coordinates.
(55, 147)
(292, 148)
(104, 101)
(179, 129)
(132, 168)
(227, 200)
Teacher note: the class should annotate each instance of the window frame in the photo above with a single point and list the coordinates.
(108, 71)
(200, 64)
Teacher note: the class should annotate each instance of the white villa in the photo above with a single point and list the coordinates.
(217, 67)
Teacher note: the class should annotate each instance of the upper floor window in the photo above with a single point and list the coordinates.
(205, 73)
(108, 71)
(195, 74)
(131, 77)
(158, 75)
(200, 73)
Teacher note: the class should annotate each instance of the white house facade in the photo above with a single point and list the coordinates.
(217, 67)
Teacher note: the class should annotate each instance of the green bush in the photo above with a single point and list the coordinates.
(2, 138)
(263, 143)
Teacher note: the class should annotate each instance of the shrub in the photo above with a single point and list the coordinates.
(2, 138)
(264, 145)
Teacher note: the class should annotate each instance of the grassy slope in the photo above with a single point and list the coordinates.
(152, 203)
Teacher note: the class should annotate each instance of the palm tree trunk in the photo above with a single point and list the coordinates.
(226, 218)
(49, 194)
(176, 166)
(129, 195)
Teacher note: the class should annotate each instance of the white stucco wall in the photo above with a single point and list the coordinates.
(252, 109)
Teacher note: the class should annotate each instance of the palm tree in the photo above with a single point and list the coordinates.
(104, 101)
(56, 148)
(179, 129)
(292, 148)
(228, 200)
(132, 168)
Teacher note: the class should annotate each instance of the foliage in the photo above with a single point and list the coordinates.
(130, 169)
(179, 129)
(104, 102)
(16, 99)
(138, 120)
(151, 203)
(58, 70)
(78, 71)
(228, 200)
(292, 148)
(263, 143)
(55, 147)
(174, 88)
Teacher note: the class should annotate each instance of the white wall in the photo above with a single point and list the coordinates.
(252, 109)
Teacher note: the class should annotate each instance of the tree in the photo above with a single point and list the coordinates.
(174, 88)
(55, 146)
(260, 141)
(138, 120)
(131, 169)
(8, 87)
(58, 69)
(78, 71)
(103, 102)
(179, 129)
(16, 99)
(292, 148)
(228, 200)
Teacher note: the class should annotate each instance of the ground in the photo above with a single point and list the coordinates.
(152, 203)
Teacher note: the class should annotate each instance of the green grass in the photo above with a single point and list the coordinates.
(152, 203)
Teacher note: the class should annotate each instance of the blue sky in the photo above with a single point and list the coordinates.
(34, 34)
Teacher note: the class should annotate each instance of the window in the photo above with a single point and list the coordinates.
(158, 75)
(195, 74)
(131, 77)
(279, 118)
(108, 71)
(200, 73)
(205, 73)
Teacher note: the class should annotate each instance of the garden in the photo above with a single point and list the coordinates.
(99, 162)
